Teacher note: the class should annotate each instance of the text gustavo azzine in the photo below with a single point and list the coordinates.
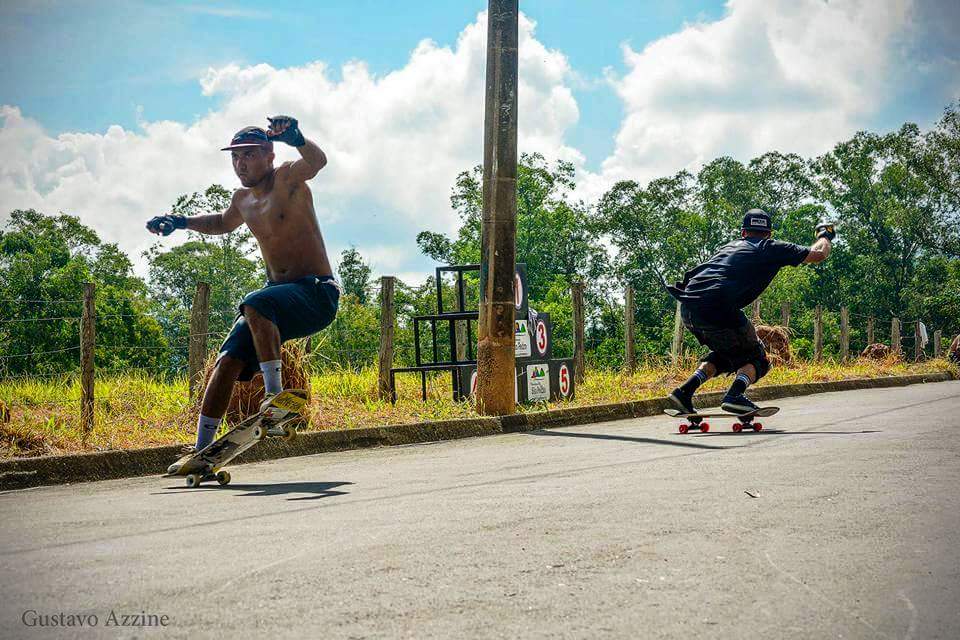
(33, 618)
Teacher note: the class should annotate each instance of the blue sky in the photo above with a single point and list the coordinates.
(82, 66)
(111, 109)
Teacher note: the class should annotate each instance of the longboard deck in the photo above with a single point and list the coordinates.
(241, 437)
(763, 412)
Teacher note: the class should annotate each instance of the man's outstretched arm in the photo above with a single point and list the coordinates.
(212, 224)
(217, 223)
(312, 157)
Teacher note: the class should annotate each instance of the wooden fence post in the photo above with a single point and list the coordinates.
(386, 337)
(844, 334)
(870, 331)
(87, 346)
(818, 334)
(756, 311)
(785, 314)
(199, 327)
(937, 335)
(895, 335)
(579, 359)
(677, 343)
(917, 343)
(630, 353)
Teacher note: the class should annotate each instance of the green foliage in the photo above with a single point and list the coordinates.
(44, 262)
(895, 196)
(227, 262)
(354, 275)
(554, 235)
(352, 340)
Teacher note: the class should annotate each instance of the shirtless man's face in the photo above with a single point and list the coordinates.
(252, 164)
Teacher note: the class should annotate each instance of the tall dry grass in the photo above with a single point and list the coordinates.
(135, 410)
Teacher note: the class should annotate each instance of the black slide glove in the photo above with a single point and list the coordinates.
(826, 230)
(166, 224)
(285, 129)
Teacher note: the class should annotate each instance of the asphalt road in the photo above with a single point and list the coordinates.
(842, 520)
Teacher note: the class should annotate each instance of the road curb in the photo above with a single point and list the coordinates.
(87, 467)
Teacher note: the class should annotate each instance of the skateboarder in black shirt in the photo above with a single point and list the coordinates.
(711, 298)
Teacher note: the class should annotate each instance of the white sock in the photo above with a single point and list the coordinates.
(272, 376)
(206, 430)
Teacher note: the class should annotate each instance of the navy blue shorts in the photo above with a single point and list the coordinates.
(299, 309)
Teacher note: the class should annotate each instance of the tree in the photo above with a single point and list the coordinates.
(44, 262)
(554, 235)
(227, 262)
(354, 275)
(892, 209)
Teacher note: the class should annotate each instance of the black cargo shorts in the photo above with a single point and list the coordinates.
(730, 336)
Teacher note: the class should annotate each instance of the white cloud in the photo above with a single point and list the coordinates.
(395, 142)
(791, 75)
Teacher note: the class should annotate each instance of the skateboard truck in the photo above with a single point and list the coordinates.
(696, 422)
(744, 422)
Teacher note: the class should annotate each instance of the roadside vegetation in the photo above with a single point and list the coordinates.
(895, 197)
(137, 411)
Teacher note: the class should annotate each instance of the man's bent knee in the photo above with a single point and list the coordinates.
(762, 366)
(227, 365)
(253, 316)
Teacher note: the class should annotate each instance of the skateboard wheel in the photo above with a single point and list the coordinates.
(683, 428)
(289, 432)
(223, 477)
(193, 480)
(259, 433)
(704, 427)
(737, 427)
(757, 426)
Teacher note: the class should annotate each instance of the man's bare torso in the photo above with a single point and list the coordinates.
(285, 225)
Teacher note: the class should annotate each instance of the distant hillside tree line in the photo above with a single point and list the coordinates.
(895, 197)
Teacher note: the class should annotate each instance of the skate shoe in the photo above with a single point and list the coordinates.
(187, 452)
(740, 405)
(682, 401)
(272, 414)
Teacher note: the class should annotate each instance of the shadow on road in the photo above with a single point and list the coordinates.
(317, 489)
(772, 432)
(606, 436)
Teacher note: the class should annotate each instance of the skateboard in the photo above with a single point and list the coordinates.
(743, 419)
(279, 419)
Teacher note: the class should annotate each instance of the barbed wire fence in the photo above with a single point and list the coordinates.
(836, 333)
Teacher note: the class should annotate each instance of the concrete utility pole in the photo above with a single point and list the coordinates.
(496, 361)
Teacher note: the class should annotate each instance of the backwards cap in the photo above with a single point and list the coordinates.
(756, 220)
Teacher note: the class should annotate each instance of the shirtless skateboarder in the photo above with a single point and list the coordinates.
(711, 298)
(301, 296)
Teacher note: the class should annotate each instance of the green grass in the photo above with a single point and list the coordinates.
(135, 411)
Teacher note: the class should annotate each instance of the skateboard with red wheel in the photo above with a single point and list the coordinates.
(744, 420)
